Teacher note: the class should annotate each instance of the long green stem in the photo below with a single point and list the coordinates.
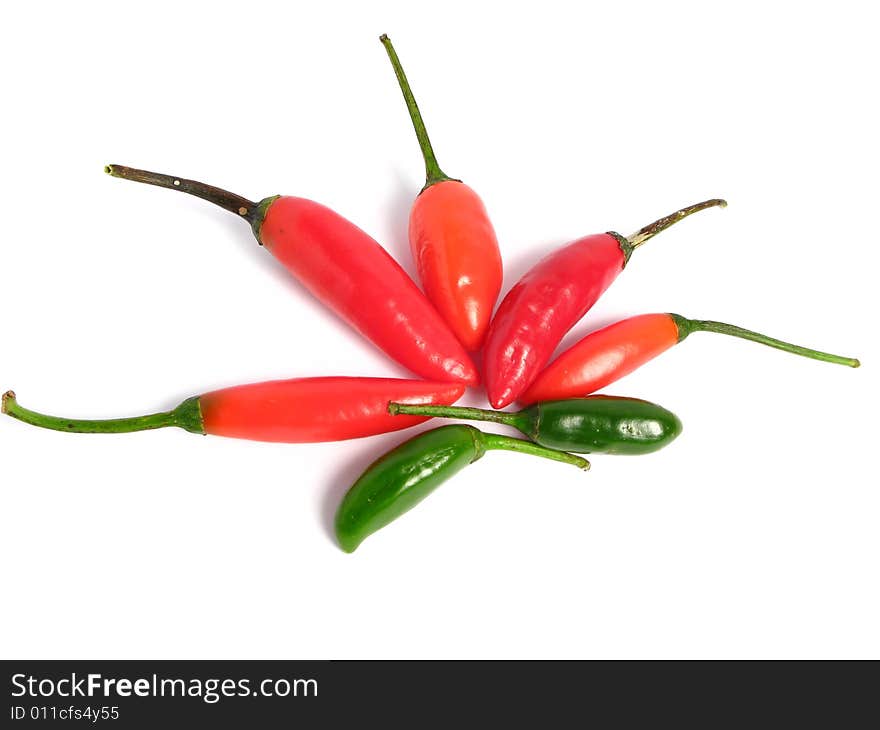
(464, 412)
(186, 416)
(686, 326)
(496, 441)
(433, 173)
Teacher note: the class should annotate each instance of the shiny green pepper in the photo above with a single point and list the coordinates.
(596, 424)
(399, 480)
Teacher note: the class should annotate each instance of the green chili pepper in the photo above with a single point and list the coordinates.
(597, 424)
(399, 480)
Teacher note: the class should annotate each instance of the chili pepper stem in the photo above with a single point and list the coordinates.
(497, 441)
(686, 326)
(226, 200)
(465, 412)
(630, 243)
(186, 416)
(433, 173)
(252, 212)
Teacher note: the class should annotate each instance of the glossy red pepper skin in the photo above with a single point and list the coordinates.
(346, 270)
(308, 410)
(541, 307)
(459, 263)
(351, 273)
(612, 352)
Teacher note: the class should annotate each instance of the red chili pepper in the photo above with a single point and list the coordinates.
(303, 410)
(316, 409)
(452, 239)
(550, 299)
(610, 353)
(347, 270)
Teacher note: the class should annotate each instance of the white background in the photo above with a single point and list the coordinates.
(754, 535)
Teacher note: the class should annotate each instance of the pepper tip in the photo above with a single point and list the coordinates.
(502, 400)
(347, 543)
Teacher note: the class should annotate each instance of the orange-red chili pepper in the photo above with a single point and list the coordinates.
(549, 300)
(302, 410)
(608, 354)
(452, 240)
(345, 269)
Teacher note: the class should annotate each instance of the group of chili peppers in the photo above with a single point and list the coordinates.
(431, 334)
